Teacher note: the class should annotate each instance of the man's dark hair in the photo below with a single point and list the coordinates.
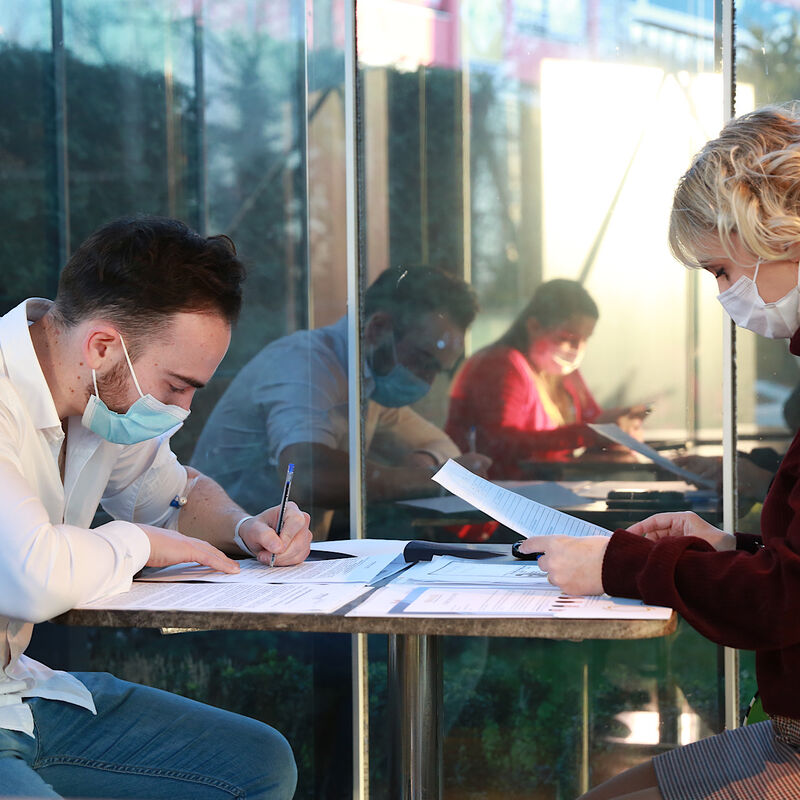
(138, 271)
(408, 292)
(553, 303)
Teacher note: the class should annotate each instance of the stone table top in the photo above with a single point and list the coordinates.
(532, 628)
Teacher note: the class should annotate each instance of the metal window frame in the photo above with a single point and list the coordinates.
(355, 282)
(730, 657)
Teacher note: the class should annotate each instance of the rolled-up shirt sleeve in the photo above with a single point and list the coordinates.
(48, 568)
(304, 400)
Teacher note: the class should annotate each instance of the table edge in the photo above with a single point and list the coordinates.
(529, 627)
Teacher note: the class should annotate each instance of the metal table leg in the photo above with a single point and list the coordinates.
(414, 684)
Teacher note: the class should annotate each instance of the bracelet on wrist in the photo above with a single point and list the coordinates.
(237, 538)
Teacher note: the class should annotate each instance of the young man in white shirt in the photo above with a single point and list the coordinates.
(92, 387)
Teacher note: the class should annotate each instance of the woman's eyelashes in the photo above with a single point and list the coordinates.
(717, 272)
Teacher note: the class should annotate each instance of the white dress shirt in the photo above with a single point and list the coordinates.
(294, 391)
(51, 560)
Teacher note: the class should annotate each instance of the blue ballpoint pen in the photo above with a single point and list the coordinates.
(286, 487)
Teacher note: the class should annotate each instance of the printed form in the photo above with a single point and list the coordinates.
(361, 569)
(540, 600)
(286, 598)
(453, 571)
(529, 603)
(526, 517)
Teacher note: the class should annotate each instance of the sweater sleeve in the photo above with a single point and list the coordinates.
(735, 598)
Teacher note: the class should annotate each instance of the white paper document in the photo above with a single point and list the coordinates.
(562, 494)
(526, 517)
(285, 598)
(526, 602)
(448, 570)
(359, 569)
(434, 601)
(362, 547)
(613, 432)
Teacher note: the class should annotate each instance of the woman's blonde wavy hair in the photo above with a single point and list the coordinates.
(746, 181)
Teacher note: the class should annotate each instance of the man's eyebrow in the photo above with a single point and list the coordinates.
(190, 381)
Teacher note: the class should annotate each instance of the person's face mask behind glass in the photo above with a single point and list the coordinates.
(559, 350)
(127, 406)
(761, 296)
(404, 364)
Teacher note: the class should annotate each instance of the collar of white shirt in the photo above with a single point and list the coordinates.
(23, 365)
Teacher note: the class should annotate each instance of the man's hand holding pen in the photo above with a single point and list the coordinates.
(293, 544)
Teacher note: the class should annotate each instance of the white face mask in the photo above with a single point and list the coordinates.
(556, 360)
(778, 320)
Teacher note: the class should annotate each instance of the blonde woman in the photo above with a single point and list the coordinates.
(736, 214)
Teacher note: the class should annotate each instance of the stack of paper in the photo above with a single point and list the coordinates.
(308, 588)
(285, 598)
(450, 571)
(360, 569)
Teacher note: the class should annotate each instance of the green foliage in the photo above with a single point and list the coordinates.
(768, 53)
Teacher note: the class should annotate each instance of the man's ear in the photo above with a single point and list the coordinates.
(101, 345)
(377, 327)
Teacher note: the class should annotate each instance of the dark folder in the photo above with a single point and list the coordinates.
(425, 551)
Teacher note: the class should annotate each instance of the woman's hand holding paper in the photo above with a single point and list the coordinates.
(683, 523)
(572, 563)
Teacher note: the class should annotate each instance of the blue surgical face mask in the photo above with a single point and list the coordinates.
(398, 387)
(146, 419)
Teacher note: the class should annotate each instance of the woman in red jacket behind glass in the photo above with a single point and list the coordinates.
(522, 399)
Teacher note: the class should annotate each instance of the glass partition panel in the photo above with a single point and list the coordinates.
(29, 231)
(200, 111)
(769, 375)
(520, 147)
(505, 144)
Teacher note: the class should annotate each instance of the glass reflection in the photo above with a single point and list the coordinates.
(540, 404)
(289, 404)
(188, 109)
(529, 144)
(766, 59)
(508, 144)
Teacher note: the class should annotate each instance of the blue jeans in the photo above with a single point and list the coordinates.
(145, 744)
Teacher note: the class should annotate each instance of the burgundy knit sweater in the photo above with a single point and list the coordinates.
(747, 598)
